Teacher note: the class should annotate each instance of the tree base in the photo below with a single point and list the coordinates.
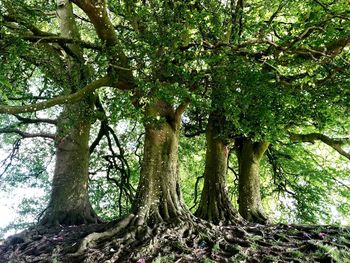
(256, 216)
(227, 216)
(69, 218)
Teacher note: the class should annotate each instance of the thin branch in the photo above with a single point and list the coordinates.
(279, 174)
(331, 12)
(196, 191)
(275, 14)
(236, 176)
(103, 127)
(28, 98)
(34, 121)
(119, 67)
(139, 143)
(101, 133)
(10, 157)
(115, 161)
(61, 40)
(233, 171)
(26, 134)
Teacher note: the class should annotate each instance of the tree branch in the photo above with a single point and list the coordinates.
(101, 133)
(61, 40)
(196, 191)
(341, 16)
(71, 98)
(335, 143)
(278, 173)
(26, 134)
(33, 121)
(98, 15)
(28, 98)
(7, 162)
(180, 110)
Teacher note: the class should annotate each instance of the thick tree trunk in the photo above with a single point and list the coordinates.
(158, 195)
(215, 205)
(249, 155)
(69, 203)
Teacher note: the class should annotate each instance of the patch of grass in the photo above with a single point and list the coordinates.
(338, 255)
(239, 257)
(344, 241)
(164, 259)
(297, 254)
(282, 237)
(270, 259)
(254, 246)
(216, 248)
(256, 238)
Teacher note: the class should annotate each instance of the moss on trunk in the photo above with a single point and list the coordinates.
(69, 202)
(249, 155)
(215, 204)
(158, 195)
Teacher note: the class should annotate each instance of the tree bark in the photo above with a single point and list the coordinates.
(158, 195)
(249, 155)
(69, 202)
(215, 205)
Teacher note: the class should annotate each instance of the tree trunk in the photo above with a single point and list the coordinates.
(249, 155)
(69, 203)
(158, 195)
(215, 205)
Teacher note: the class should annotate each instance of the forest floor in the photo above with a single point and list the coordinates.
(249, 243)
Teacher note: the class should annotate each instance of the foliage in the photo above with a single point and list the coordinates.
(303, 173)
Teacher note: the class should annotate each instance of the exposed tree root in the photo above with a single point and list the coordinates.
(226, 215)
(184, 240)
(93, 237)
(258, 217)
(85, 215)
(181, 235)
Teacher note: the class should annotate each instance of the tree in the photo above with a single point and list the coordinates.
(215, 205)
(69, 203)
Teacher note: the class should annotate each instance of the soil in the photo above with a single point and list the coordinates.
(174, 243)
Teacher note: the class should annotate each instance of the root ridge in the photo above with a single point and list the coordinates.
(181, 240)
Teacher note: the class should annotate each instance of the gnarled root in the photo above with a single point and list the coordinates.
(183, 239)
(93, 237)
(183, 236)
